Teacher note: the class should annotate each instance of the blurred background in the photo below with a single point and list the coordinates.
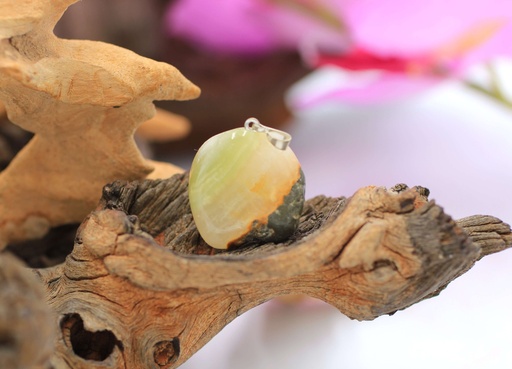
(373, 93)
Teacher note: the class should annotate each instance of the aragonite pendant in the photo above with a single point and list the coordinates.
(246, 186)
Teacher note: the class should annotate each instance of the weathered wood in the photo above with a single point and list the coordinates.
(27, 331)
(488, 232)
(142, 276)
(83, 100)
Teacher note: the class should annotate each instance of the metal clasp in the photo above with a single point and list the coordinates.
(279, 139)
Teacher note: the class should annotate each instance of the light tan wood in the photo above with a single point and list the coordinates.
(164, 126)
(83, 100)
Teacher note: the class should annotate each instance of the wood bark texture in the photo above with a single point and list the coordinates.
(83, 100)
(141, 289)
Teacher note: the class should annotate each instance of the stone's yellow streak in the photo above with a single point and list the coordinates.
(238, 177)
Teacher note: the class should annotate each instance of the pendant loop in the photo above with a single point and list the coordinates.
(279, 139)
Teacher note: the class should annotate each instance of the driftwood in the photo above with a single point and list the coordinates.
(26, 329)
(142, 290)
(83, 107)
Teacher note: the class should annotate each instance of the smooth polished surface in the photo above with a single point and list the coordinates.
(238, 177)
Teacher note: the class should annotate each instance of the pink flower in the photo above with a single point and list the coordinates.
(409, 44)
(252, 27)
(413, 45)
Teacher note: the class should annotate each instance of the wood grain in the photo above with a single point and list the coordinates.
(83, 100)
(141, 272)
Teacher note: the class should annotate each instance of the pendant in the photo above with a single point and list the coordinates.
(246, 186)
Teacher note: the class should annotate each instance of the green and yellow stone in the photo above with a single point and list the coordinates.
(242, 189)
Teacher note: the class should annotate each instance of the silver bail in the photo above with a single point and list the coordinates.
(279, 139)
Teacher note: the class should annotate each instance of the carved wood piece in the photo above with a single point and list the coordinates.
(83, 100)
(142, 283)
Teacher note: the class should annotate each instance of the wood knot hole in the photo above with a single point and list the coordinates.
(166, 352)
(96, 346)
